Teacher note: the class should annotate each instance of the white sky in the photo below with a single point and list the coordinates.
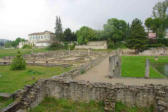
(18, 18)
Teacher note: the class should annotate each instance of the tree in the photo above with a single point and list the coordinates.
(58, 30)
(85, 34)
(17, 41)
(137, 29)
(159, 10)
(138, 38)
(128, 31)
(160, 15)
(157, 25)
(149, 23)
(18, 63)
(69, 35)
(115, 30)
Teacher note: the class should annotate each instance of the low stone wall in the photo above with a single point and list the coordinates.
(155, 52)
(93, 45)
(141, 96)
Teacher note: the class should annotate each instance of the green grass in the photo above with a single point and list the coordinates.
(13, 52)
(134, 66)
(120, 107)
(62, 105)
(4, 103)
(10, 81)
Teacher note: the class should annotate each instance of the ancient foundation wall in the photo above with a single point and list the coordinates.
(141, 96)
(155, 52)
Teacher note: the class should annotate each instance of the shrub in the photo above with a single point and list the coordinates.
(27, 46)
(112, 45)
(72, 46)
(82, 71)
(56, 46)
(18, 63)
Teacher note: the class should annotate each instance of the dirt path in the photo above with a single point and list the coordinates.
(99, 73)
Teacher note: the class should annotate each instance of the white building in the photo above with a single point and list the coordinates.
(41, 39)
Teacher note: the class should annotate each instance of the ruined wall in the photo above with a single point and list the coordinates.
(141, 96)
(93, 45)
(155, 52)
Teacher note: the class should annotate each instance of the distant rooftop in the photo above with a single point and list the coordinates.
(41, 33)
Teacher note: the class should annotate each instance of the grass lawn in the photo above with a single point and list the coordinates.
(4, 103)
(134, 66)
(13, 52)
(120, 107)
(10, 81)
(62, 105)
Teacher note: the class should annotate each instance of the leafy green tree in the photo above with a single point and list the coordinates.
(149, 23)
(138, 38)
(18, 63)
(115, 30)
(157, 25)
(85, 34)
(160, 18)
(160, 10)
(69, 35)
(17, 41)
(8, 44)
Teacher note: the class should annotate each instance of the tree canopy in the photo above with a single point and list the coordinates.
(69, 35)
(115, 29)
(85, 34)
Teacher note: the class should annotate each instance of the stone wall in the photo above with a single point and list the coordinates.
(141, 96)
(93, 45)
(155, 52)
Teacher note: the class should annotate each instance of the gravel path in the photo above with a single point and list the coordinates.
(99, 73)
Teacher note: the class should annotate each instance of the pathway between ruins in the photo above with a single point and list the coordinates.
(99, 74)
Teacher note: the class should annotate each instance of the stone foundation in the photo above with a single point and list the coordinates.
(141, 96)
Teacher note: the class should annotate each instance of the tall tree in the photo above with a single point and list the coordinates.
(137, 36)
(58, 29)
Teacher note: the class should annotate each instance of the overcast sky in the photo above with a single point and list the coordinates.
(18, 18)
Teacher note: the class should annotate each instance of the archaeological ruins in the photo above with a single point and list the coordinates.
(68, 86)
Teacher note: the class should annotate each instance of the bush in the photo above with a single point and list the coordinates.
(138, 44)
(112, 45)
(27, 47)
(72, 47)
(56, 46)
(157, 43)
(18, 63)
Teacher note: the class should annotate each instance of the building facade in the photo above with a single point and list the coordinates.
(41, 39)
